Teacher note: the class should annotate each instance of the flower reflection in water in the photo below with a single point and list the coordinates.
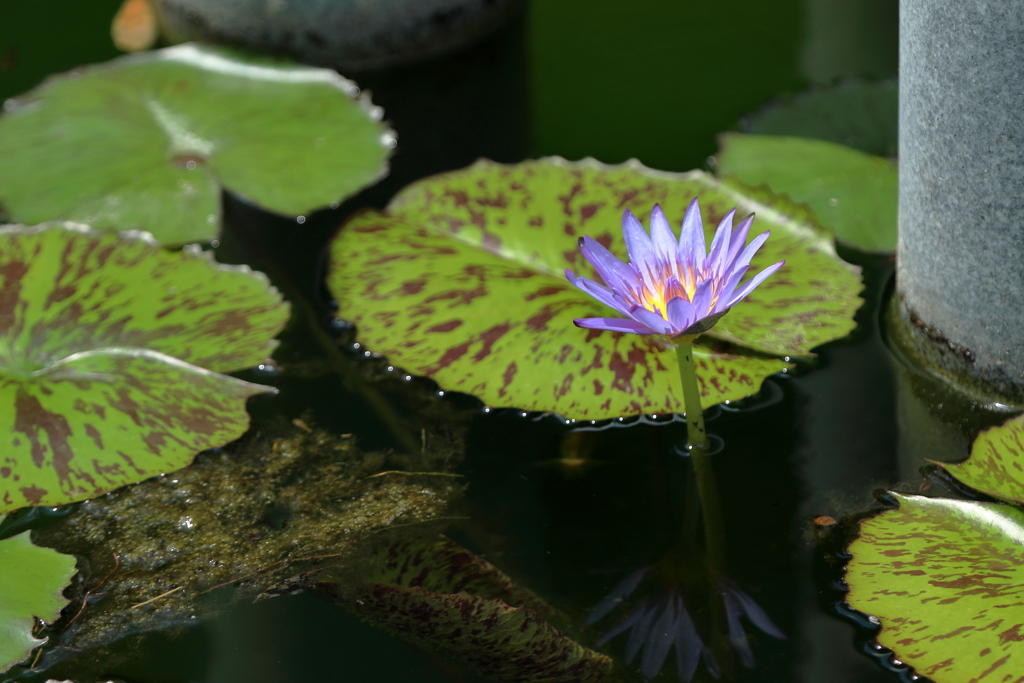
(661, 620)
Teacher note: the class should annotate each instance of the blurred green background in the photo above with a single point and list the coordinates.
(651, 79)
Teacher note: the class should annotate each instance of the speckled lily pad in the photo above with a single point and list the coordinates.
(946, 580)
(440, 596)
(112, 349)
(996, 463)
(462, 280)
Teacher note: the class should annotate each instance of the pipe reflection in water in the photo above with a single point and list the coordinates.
(937, 420)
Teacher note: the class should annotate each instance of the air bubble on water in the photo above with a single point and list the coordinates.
(300, 219)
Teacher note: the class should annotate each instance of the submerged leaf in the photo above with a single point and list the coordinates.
(996, 463)
(278, 503)
(946, 580)
(440, 596)
(462, 280)
(501, 643)
(31, 581)
(147, 141)
(111, 353)
(851, 192)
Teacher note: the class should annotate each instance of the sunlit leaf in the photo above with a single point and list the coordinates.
(996, 464)
(850, 192)
(147, 141)
(856, 114)
(111, 349)
(31, 581)
(946, 580)
(463, 281)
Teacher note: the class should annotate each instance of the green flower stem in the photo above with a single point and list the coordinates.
(700, 460)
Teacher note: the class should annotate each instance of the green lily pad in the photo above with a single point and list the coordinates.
(861, 115)
(112, 349)
(147, 141)
(853, 193)
(996, 463)
(441, 597)
(462, 280)
(31, 582)
(946, 580)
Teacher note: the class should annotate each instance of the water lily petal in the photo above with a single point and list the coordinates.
(737, 636)
(692, 248)
(614, 325)
(720, 245)
(758, 617)
(638, 635)
(622, 589)
(599, 292)
(702, 299)
(681, 314)
(711, 663)
(626, 623)
(755, 281)
(615, 273)
(651, 320)
(728, 290)
(743, 260)
(737, 242)
(664, 240)
(638, 244)
(688, 645)
(659, 641)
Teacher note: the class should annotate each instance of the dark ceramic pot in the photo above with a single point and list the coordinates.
(349, 35)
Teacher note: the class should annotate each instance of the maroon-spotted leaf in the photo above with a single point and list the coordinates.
(462, 280)
(438, 595)
(996, 464)
(110, 349)
(945, 578)
(500, 643)
(440, 565)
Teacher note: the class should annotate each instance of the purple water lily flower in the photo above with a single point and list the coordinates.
(671, 287)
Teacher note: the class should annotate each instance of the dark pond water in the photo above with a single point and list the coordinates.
(655, 80)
